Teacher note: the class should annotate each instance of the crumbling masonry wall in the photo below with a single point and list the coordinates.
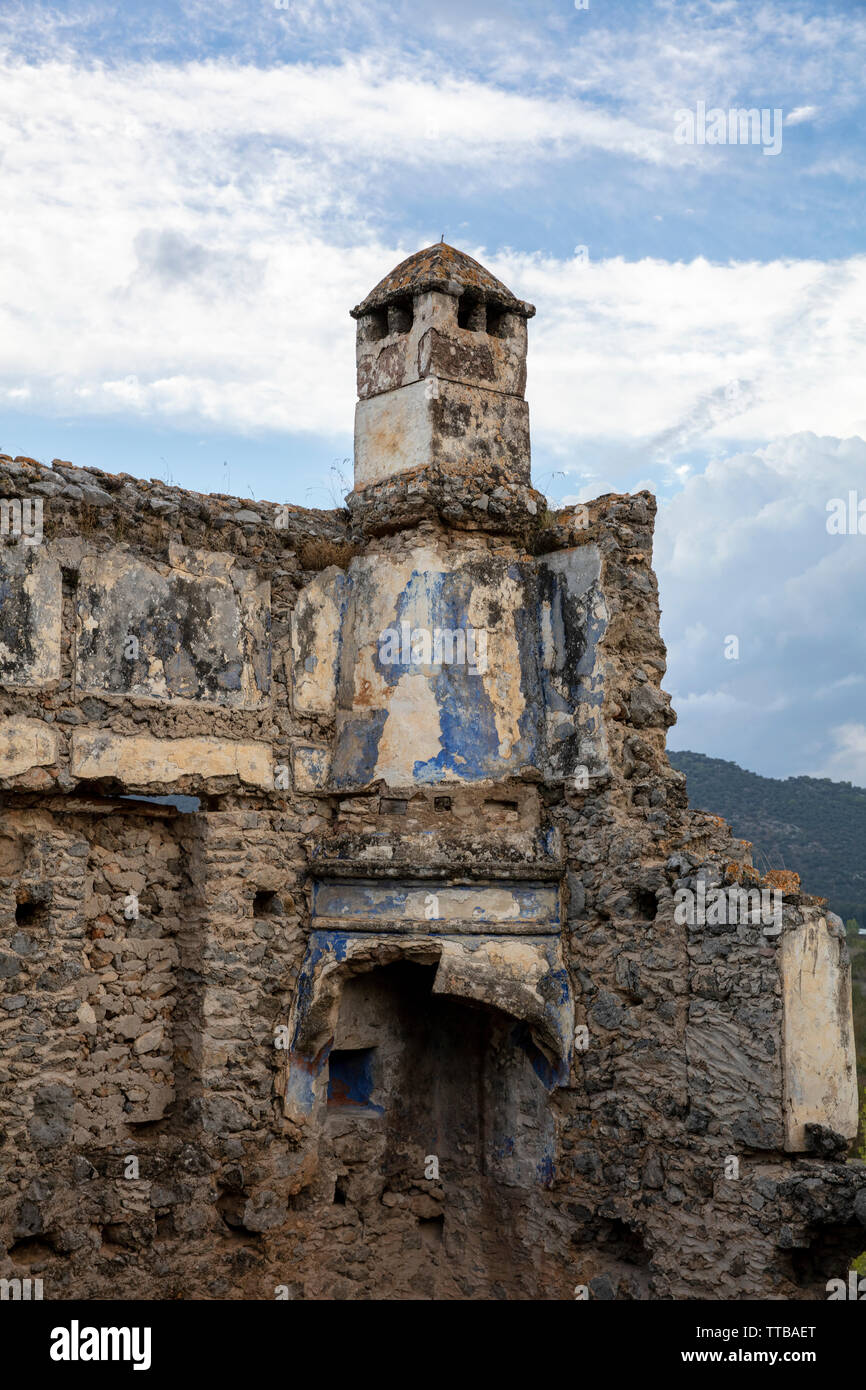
(178, 974)
(355, 938)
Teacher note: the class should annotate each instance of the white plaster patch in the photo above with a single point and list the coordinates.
(316, 643)
(820, 1071)
(310, 767)
(412, 730)
(501, 680)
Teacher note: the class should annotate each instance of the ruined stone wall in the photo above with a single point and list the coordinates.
(382, 915)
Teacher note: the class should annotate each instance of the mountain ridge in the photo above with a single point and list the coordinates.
(813, 825)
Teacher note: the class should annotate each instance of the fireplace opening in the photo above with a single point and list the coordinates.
(439, 1141)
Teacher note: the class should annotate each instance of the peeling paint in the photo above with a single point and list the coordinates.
(30, 616)
(528, 907)
(536, 701)
(196, 633)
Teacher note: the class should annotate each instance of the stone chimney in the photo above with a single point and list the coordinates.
(441, 352)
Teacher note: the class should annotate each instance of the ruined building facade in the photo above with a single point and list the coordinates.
(345, 947)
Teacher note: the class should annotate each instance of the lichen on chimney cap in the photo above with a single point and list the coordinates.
(441, 267)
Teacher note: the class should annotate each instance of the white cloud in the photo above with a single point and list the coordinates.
(145, 225)
(671, 353)
(847, 761)
(207, 225)
(744, 549)
(801, 114)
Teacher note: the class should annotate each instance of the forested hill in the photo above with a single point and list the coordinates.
(812, 825)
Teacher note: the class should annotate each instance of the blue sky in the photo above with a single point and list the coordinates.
(196, 193)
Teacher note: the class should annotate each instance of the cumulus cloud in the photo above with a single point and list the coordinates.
(667, 352)
(171, 258)
(208, 227)
(128, 191)
(743, 551)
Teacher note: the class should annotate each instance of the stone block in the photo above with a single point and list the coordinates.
(25, 743)
(139, 760)
(441, 422)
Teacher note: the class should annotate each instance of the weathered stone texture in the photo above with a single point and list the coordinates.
(195, 631)
(441, 422)
(364, 977)
(30, 616)
(818, 1041)
(142, 761)
(25, 744)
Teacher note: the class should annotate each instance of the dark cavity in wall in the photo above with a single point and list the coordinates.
(471, 314)
(350, 1076)
(646, 904)
(31, 909)
(185, 804)
(400, 316)
(438, 1121)
(829, 1254)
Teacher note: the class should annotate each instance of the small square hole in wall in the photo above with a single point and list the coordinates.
(442, 803)
(266, 905)
(502, 812)
(497, 322)
(400, 316)
(471, 313)
(31, 909)
(350, 1078)
(431, 1229)
(376, 324)
(646, 904)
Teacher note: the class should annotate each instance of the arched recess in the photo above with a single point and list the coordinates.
(433, 1140)
(523, 977)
